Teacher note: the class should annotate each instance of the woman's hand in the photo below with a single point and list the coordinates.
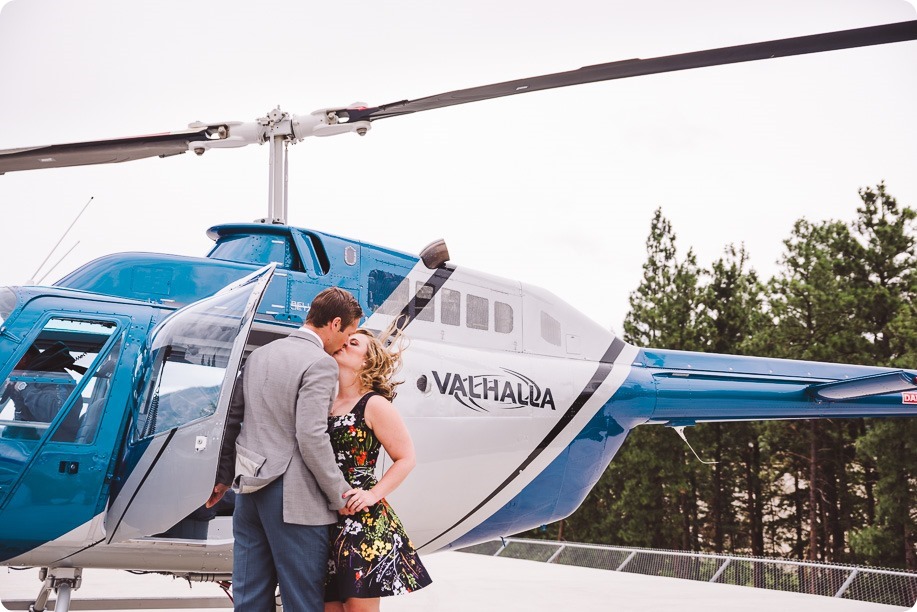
(360, 499)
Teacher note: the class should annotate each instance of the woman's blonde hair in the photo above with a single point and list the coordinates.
(381, 364)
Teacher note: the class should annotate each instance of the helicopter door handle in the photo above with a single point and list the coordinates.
(69, 467)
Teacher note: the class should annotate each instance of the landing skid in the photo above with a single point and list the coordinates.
(140, 603)
(63, 581)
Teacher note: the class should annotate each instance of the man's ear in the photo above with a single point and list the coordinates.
(336, 324)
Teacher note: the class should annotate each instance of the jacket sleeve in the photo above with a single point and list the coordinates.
(312, 404)
(226, 468)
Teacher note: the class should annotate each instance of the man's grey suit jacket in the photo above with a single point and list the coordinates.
(287, 388)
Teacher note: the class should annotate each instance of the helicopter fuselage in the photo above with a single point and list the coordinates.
(515, 401)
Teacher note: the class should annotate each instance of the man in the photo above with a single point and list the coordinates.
(289, 486)
(41, 401)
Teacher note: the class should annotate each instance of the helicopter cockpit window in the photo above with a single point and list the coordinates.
(188, 361)
(40, 394)
(7, 303)
(259, 249)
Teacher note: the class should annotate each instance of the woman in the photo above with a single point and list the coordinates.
(371, 555)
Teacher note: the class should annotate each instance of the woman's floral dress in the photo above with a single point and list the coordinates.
(371, 555)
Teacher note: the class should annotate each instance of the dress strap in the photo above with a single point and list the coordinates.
(360, 407)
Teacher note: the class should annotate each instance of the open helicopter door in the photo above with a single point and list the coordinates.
(173, 447)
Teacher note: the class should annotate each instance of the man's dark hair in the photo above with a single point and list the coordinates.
(334, 302)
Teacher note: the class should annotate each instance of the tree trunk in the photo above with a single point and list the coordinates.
(813, 499)
(717, 505)
(869, 482)
(830, 502)
(910, 559)
(800, 546)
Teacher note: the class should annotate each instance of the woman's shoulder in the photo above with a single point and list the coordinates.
(377, 401)
(376, 406)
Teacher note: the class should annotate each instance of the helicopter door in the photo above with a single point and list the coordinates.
(171, 455)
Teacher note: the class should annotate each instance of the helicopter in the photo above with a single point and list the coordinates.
(509, 390)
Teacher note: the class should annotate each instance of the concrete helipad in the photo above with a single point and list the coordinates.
(464, 581)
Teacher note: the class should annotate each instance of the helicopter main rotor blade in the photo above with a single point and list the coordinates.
(331, 121)
(104, 151)
(816, 43)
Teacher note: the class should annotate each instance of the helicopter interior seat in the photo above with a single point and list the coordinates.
(89, 420)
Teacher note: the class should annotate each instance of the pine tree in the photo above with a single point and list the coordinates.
(665, 308)
(731, 487)
(882, 265)
(840, 490)
(810, 303)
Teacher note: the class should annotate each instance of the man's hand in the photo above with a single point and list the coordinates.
(219, 490)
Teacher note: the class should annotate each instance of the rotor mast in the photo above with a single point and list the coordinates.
(278, 129)
(279, 132)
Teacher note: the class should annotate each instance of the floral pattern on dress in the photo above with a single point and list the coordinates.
(371, 554)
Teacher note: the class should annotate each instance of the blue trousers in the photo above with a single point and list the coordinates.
(268, 551)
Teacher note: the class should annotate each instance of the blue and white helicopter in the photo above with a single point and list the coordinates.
(116, 379)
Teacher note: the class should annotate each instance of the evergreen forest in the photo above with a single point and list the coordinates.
(839, 490)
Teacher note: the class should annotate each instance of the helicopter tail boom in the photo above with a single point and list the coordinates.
(701, 387)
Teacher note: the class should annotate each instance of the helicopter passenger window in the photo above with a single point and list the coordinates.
(503, 317)
(388, 293)
(40, 393)
(450, 307)
(550, 328)
(478, 314)
(424, 302)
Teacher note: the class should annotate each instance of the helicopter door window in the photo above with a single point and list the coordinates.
(425, 306)
(503, 317)
(189, 361)
(478, 313)
(450, 307)
(40, 394)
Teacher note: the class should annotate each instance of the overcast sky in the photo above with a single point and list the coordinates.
(552, 188)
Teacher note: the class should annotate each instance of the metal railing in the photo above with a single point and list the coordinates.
(891, 587)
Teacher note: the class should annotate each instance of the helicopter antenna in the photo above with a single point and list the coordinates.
(51, 269)
(32, 280)
(680, 430)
